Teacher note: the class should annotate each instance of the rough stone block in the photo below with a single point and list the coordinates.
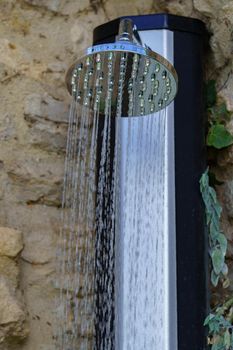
(13, 56)
(47, 136)
(12, 316)
(40, 248)
(227, 197)
(69, 7)
(81, 31)
(36, 178)
(7, 128)
(52, 5)
(226, 92)
(180, 8)
(9, 269)
(209, 7)
(57, 67)
(121, 8)
(10, 242)
(46, 107)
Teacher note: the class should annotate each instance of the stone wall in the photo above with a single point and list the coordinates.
(38, 41)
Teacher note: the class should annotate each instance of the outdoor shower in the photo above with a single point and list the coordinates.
(127, 69)
(133, 240)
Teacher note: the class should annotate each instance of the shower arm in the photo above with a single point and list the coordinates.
(128, 32)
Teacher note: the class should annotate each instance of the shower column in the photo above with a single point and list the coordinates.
(183, 251)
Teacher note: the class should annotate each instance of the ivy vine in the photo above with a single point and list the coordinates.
(220, 324)
(220, 320)
(217, 240)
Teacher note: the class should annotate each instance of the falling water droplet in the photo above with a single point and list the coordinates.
(98, 57)
(80, 66)
(88, 61)
(98, 66)
(140, 94)
(147, 62)
(136, 58)
(79, 95)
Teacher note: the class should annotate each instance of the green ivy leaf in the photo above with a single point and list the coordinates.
(231, 339)
(213, 195)
(213, 230)
(217, 346)
(214, 325)
(220, 326)
(217, 240)
(227, 339)
(211, 93)
(223, 243)
(208, 319)
(219, 137)
(214, 278)
(217, 260)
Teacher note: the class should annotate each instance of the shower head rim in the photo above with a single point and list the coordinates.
(120, 46)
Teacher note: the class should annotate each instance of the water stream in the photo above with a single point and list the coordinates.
(140, 239)
(111, 241)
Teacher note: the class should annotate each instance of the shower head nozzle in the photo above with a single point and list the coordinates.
(141, 79)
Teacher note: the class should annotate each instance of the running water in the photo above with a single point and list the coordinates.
(111, 242)
(140, 240)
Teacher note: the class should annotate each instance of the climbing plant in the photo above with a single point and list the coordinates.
(220, 327)
(220, 319)
(219, 322)
(217, 240)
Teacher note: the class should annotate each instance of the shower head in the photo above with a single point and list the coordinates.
(123, 77)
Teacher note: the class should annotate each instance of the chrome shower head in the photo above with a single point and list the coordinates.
(131, 78)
